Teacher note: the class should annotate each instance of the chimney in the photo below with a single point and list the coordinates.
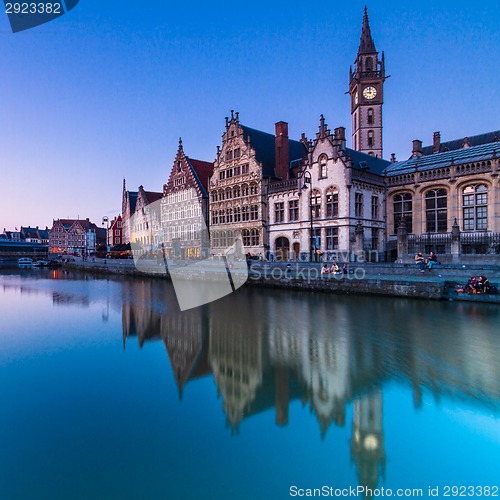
(340, 137)
(393, 158)
(417, 149)
(281, 150)
(436, 142)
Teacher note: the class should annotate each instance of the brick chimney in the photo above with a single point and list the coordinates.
(436, 143)
(281, 150)
(340, 137)
(417, 148)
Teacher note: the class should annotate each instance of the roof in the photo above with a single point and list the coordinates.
(445, 159)
(265, 149)
(362, 161)
(475, 140)
(366, 43)
(203, 170)
(152, 196)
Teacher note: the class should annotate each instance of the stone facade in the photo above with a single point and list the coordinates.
(339, 194)
(184, 208)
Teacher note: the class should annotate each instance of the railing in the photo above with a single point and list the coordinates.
(439, 243)
(480, 243)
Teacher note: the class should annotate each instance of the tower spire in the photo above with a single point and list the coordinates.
(366, 43)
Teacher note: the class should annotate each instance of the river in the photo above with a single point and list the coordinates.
(109, 391)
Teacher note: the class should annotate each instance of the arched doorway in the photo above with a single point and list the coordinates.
(296, 250)
(282, 249)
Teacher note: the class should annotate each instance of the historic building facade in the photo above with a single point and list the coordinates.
(446, 193)
(145, 223)
(246, 162)
(332, 207)
(184, 208)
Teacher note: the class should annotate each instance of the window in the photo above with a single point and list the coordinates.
(222, 174)
(332, 203)
(244, 190)
(475, 208)
(279, 212)
(436, 213)
(316, 238)
(237, 170)
(332, 238)
(322, 167)
(229, 173)
(369, 64)
(245, 214)
(370, 138)
(246, 237)
(375, 207)
(117, 232)
(229, 193)
(254, 212)
(402, 209)
(255, 237)
(245, 168)
(370, 116)
(293, 210)
(222, 217)
(236, 192)
(229, 215)
(253, 189)
(215, 217)
(315, 204)
(358, 204)
(375, 238)
(237, 153)
(237, 214)
(229, 155)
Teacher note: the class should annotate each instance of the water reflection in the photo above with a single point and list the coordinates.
(268, 349)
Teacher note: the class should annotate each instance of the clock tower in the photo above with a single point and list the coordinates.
(366, 85)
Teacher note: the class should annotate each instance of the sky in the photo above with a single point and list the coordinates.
(104, 92)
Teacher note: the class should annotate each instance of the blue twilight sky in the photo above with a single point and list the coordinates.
(105, 91)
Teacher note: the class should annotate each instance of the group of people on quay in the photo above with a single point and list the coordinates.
(426, 263)
(334, 268)
(479, 285)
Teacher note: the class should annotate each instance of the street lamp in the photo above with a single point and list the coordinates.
(105, 221)
(307, 181)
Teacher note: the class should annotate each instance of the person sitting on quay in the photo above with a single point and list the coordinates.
(420, 261)
(484, 286)
(345, 269)
(432, 260)
(470, 287)
(324, 269)
(335, 269)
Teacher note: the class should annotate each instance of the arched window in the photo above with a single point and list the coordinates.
(229, 193)
(475, 207)
(332, 202)
(253, 188)
(370, 138)
(244, 190)
(370, 116)
(369, 64)
(316, 204)
(402, 208)
(436, 211)
(221, 195)
(322, 167)
(236, 192)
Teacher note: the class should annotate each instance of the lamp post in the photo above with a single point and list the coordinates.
(105, 221)
(307, 181)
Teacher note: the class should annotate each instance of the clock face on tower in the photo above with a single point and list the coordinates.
(369, 93)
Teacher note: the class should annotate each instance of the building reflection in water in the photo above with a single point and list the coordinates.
(266, 350)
